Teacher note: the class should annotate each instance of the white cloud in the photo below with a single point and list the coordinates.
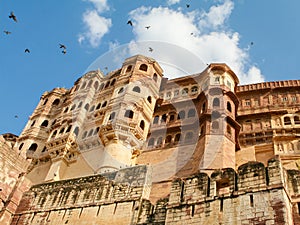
(97, 27)
(173, 2)
(189, 31)
(216, 15)
(100, 5)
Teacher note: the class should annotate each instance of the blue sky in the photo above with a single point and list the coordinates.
(222, 31)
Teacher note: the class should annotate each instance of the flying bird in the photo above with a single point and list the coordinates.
(129, 22)
(150, 49)
(188, 5)
(64, 51)
(147, 27)
(7, 32)
(27, 50)
(251, 43)
(12, 16)
(62, 46)
(16, 116)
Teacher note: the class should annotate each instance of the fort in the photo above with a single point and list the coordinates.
(134, 147)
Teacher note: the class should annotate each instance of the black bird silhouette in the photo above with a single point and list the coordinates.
(7, 32)
(251, 43)
(64, 51)
(188, 5)
(150, 49)
(12, 16)
(16, 116)
(147, 27)
(129, 22)
(27, 50)
(62, 46)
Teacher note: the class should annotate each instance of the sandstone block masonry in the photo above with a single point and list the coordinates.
(254, 194)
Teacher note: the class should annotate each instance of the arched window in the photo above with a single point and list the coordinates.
(151, 142)
(92, 108)
(101, 86)
(296, 119)
(107, 84)
(44, 149)
(62, 130)
(54, 133)
(136, 89)
(21, 146)
(104, 104)
(87, 106)
(69, 129)
(54, 121)
(46, 100)
(79, 105)
(73, 107)
(159, 141)
(76, 131)
(33, 147)
(287, 120)
(163, 118)
(128, 69)
(181, 115)
(96, 130)
(45, 123)
(66, 109)
(121, 90)
(83, 85)
(96, 85)
(142, 124)
(177, 138)
(172, 117)
(215, 125)
(33, 123)
(113, 82)
(149, 99)
(168, 139)
(91, 132)
(112, 116)
(129, 114)
(98, 106)
(229, 107)
(56, 102)
(155, 120)
(143, 67)
(90, 83)
(155, 77)
(216, 102)
(191, 113)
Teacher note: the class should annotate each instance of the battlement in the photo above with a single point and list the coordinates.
(250, 177)
(268, 85)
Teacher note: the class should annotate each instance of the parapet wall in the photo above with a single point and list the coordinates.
(108, 197)
(254, 194)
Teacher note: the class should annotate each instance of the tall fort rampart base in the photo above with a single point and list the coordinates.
(254, 194)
